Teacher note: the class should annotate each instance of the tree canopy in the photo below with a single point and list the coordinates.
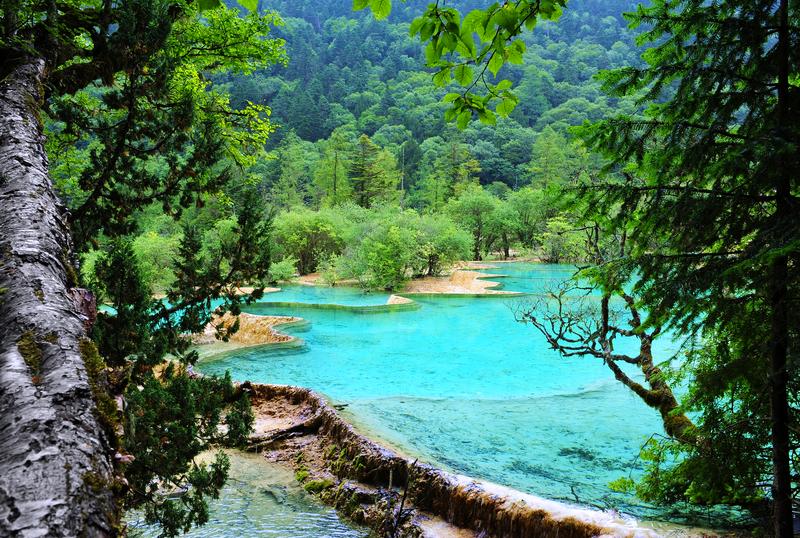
(134, 121)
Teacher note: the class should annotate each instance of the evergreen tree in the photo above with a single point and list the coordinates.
(373, 174)
(290, 187)
(452, 171)
(331, 176)
(712, 215)
(549, 161)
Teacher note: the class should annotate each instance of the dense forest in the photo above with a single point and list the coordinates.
(361, 130)
(170, 160)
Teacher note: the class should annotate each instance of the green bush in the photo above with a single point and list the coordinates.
(315, 486)
(440, 244)
(560, 242)
(283, 270)
(308, 236)
(156, 254)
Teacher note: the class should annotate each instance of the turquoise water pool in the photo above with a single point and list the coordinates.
(459, 383)
(261, 499)
(346, 296)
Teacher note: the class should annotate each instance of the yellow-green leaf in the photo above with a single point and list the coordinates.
(463, 119)
(204, 5)
(380, 8)
(463, 74)
(505, 107)
(442, 78)
(496, 62)
(249, 5)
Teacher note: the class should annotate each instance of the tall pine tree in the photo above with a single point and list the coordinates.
(712, 212)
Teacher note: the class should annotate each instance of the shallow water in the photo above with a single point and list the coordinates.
(461, 384)
(262, 499)
(326, 295)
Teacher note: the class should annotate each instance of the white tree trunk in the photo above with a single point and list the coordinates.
(55, 462)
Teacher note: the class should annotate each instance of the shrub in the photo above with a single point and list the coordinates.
(283, 270)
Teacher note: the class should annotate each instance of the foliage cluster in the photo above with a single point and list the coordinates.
(383, 246)
(137, 131)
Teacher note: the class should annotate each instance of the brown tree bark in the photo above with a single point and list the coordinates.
(56, 466)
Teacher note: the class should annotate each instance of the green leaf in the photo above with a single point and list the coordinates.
(427, 30)
(505, 107)
(515, 52)
(249, 5)
(506, 17)
(473, 20)
(449, 40)
(360, 4)
(208, 4)
(463, 119)
(431, 54)
(504, 84)
(442, 78)
(464, 74)
(380, 8)
(487, 117)
(450, 97)
(496, 62)
(466, 44)
(622, 485)
(415, 26)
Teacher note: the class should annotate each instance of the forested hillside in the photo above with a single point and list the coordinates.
(361, 135)
(350, 75)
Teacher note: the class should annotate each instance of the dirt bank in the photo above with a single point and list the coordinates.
(368, 482)
(253, 331)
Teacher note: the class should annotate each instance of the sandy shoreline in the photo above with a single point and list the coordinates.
(465, 279)
(459, 282)
(256, 330)
(259, 330)
(253, 330)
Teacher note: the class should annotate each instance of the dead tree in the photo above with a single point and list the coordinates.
(577, 322)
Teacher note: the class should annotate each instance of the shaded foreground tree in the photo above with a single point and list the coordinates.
(713, 219)
(122, 85)
(51, 438)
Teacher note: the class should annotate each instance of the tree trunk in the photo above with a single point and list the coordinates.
(56, 467)
(779, 324)
(779, 403)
